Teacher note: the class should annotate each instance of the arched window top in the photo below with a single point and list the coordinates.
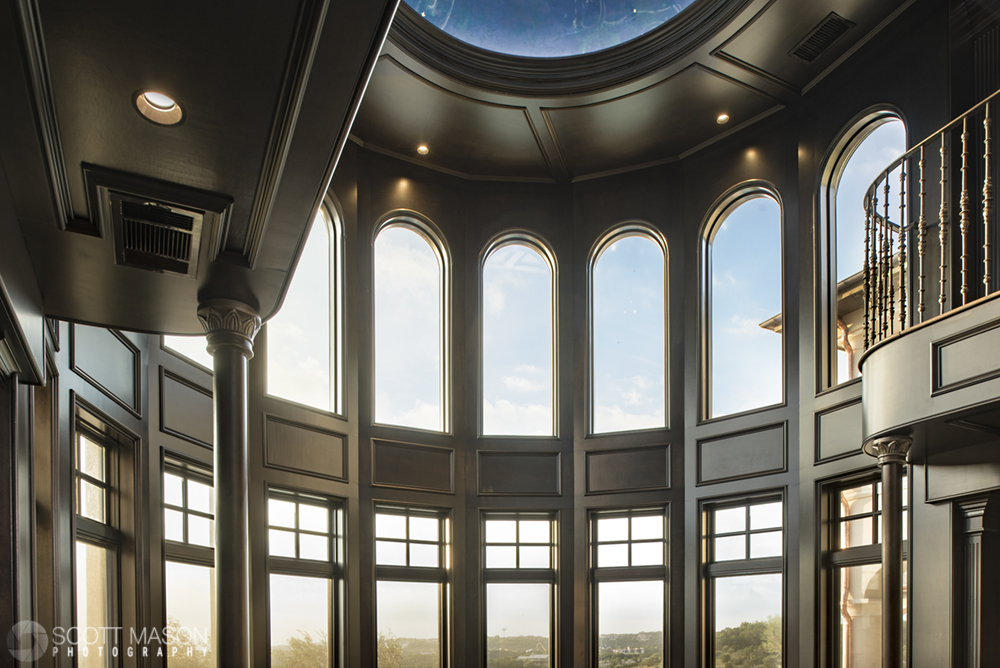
(411, 312)
(628, 313)
(518, 307)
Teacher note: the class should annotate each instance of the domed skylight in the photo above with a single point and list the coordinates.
(547, 28)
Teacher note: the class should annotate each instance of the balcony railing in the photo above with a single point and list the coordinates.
(929, 227)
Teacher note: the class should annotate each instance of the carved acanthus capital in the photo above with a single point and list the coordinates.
(889, 449)
(229, 323)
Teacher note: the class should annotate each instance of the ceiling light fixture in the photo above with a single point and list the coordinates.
(158, 108)
(722, 119)
(423, 150)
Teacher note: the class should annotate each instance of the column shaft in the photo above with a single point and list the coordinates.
(892, 565)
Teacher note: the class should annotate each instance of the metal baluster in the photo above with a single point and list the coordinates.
(879, 283)
(868, 272)
(943, 223)
(987, 200)
(963, 204)
(921, 238)
(890, 290)
(902, 245)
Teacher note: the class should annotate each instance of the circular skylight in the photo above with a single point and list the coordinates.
(547, 29)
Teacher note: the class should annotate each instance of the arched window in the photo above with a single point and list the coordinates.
(305, 338)
(628, 330)
(862, 153)
(744, 360)
(518, 304)
(410, 325)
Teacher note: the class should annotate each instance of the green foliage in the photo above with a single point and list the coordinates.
(390, 651)
(302, 652)
(750, 645)
(201, 653)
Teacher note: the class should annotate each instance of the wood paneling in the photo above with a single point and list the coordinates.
(304, 449)
(503, 473)
(743, 455)
(186, 409)
(628, 470)
(966, 359)
(411, 466)
(838, 431)
(110, 362)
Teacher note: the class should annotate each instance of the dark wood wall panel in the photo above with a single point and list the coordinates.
(968, 358)
(838, 431)
(963, 471)
(410, 466)
(519, 473)
(304, 449)
(628, 470)
(109, 362)
(742, 455)
(186, 409)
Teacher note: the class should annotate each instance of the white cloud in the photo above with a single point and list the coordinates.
(615, 418)
(505, 418)
(420, 415)
(522, 384)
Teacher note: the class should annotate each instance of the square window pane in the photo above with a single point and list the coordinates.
(390, 526)
(612, 529)
(535, 531)
(189, 592)
(390, 553)
(518, 619)
(91, 459)
(647, 554)
(731, 519)
(173, 489)
(200, 497)
(752, 601)
(91, 501)
(501, 531)
(501, 556)
(201, 531)
(410, 610)
(314, 518)
(173, 525)
(614, 555)
(855, 533)
(281, 513)
(300, 621)
(281, 543)
(314, 547)
(630, 623)
(730, 547)
(765, 544)
(424, 528)
(766, 515)
(647, 528)
(856, 500)
(423, 555)
(535, 557)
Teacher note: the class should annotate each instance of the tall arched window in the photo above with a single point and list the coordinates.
(862, 153)
(745, 368)
(305, 338)
(518, 337)
(628, 330)
(411, 305)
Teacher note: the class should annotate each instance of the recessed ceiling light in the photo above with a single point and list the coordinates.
(158, 108)
(722, 119)
(423, 150)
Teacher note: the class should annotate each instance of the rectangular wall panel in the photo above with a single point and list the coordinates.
(966, 359)
(109, 362)
(743, 455)
(969, 470)
(410, 466)
(186, 409)
(519, 473)
(304, 449)
(628, 470)
(838, 431)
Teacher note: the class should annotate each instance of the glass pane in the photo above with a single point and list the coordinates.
(281, 513)
(517, 342)
(408, 334)
(517, 625)
(647, 528)
(748, 620)
(314, 547)
(614, 555)
(731, 519)
(314, 518)
(189, 591)
(535, 531)
(299, 361)
(856, 501)
(201, 531)
(200, 497)
(628, 336)
(300, 621)
(535, 557)
(765, 544)
(282, 543)
(501, 557)
(423, 555)
(747, 369)
(390, 526)
(647, 554)
(91, 501)
(766, 515)
(195, 348)
(94, 611)
(501, 531)
(424, 528)
(389, 553)
(855, 533)
(173, 525)
(612, 529)
(408, 624)
(91, 459)
(859, 637)
(730, 547)
(173, 489)
(630, 623)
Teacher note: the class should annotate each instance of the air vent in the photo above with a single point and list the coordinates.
(822, 36)
(154, 235)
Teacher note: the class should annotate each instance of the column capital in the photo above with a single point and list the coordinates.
(888, 449)
(229, 323)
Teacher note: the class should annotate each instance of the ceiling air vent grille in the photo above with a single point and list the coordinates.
(153, 235)
(822, 36)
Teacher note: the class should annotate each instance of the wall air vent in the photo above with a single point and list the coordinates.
(821, 37)
(152, 235)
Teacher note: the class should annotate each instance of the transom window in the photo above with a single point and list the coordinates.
(519, 543)
(92, 478)
(747, 532)
(410, 540)
(299, 526)
(630, 540)
(188, 507)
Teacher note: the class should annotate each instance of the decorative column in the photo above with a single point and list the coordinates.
(891, 453)
(231, 327)
(978, 521)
